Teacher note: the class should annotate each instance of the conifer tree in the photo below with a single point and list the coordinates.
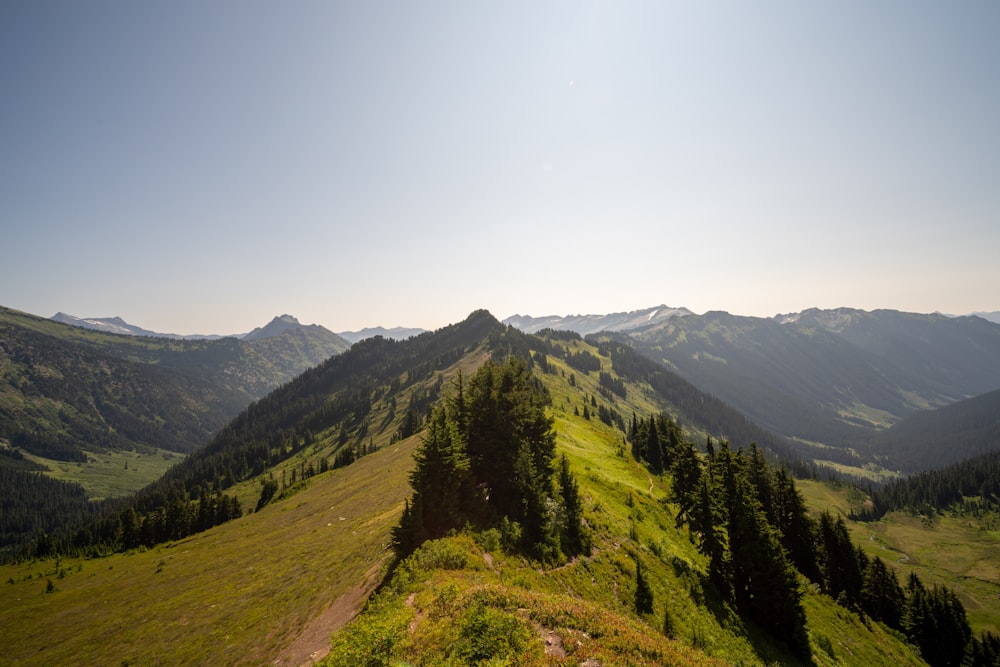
(643, 593)
(842, 574)
(654, 448)
(882, 597)
(798, 529)
(686, 470)
(575, 539)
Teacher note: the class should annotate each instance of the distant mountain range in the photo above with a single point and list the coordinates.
(116, 325)
(395, 333)
(275, 327)
(993, 316)
(830, 379)
(588, 324)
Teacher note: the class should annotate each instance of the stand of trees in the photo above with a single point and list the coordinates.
(973, 483)
(752, 524)
(488, 460)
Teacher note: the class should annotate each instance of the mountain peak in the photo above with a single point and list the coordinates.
(279, 325)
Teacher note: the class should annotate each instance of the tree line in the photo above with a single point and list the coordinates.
(973, 483)
(487, 460)
(751, 522)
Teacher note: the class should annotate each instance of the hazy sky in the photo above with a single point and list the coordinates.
(204, 166)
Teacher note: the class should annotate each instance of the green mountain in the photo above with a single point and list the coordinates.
(320, 469)
(67, 391)
(929, 439)
(830, 378)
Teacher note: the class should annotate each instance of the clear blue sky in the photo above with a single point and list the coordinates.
(204, 166)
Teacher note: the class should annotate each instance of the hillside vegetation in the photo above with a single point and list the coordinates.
(831, 379)
(66, 391)
(335, 449)
(112, 413)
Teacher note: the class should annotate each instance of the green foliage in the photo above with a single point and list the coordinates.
(486, 460)
(487, 633)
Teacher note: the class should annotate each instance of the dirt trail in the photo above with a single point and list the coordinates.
(313, 643)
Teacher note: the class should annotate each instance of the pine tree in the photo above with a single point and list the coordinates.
(842, 573)
(654, 448)
(882, 597)
(643, 593)
(575, 539)
(686, 471)
(765, 585)
(798, 529)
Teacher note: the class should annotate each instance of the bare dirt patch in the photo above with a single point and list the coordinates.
(313, 643)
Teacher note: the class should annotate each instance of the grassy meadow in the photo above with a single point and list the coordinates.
(236, 594)
(113, 473)
(960, 552)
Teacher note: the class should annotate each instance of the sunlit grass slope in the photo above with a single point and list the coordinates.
(236, 594)
(111, 474)
(242, 593)
(462, 598)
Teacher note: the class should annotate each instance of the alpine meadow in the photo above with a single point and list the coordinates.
(477, 495)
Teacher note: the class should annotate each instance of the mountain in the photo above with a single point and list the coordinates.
(588, 324)
(830, 377)
(66, 391)
(279, 325)
(321, 467)
(395, 333)
(283, 324)
(993, 316)
(116, 325)
(936, 438)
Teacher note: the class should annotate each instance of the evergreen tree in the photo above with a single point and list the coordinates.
(575, 538)
(686, 470)
(654, 448)
(842, 573)
(765, 585)
(798, 529)
(706, 524)
(882, 597)
(643, 593)
(510, 441)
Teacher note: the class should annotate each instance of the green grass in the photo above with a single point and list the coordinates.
(241, 592)
(960, 552)
(585, 606)
(235, 594)
(111, 474)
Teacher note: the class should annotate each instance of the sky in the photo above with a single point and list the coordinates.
(200, 167)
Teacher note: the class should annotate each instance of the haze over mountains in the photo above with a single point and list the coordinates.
(277, 326)
(588, 324)
(835, 381)
(831, 379)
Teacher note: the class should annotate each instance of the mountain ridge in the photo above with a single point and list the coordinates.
(588, 324)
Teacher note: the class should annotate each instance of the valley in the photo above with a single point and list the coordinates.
(316, 533)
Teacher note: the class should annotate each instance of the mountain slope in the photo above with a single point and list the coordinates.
(243, 592)
(114, 325)
(66, 390)
(830, 377)
(936, 438)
